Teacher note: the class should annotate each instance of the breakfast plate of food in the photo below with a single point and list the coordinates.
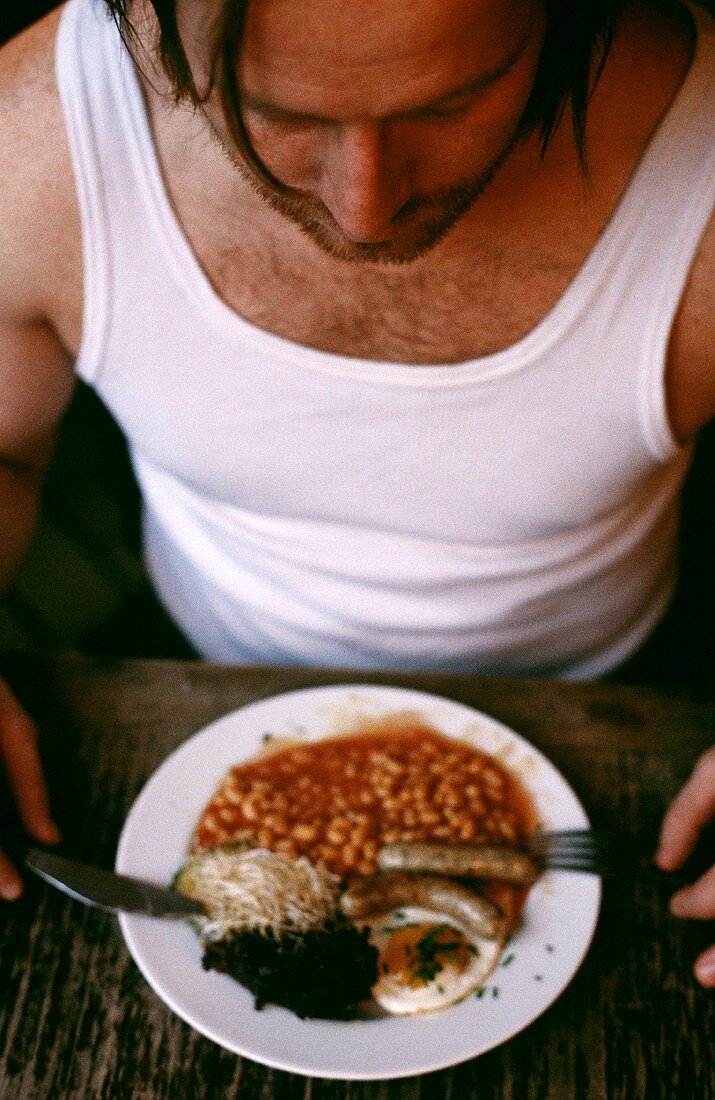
(372, 910)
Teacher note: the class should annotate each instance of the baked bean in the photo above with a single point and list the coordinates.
(304, 833)
(350, 854)
(338, 801)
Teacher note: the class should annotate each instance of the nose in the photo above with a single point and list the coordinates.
(364, 181)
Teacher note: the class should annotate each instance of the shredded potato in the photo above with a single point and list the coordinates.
(258, 889)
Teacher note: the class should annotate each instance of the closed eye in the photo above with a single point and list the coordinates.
(445, 112)
(283, 120)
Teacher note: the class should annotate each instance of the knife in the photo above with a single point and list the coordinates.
(107, 890)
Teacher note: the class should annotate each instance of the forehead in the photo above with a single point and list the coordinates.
(333, 56)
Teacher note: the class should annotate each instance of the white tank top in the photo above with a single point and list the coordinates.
(514, 513)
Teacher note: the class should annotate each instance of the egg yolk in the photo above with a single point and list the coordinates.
(416, 953)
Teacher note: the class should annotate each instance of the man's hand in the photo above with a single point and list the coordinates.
(20, 761)
(687, 815)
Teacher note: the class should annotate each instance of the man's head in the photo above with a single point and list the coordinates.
(374, 125)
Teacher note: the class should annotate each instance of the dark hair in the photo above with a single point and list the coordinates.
(576, 44)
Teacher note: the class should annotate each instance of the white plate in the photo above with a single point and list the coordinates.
(558, 922)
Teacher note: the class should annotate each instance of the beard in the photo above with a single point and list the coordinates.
(419, 225)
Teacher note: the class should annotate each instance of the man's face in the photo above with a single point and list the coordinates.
(384, 120)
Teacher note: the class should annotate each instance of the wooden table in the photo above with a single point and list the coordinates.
(78, 1020)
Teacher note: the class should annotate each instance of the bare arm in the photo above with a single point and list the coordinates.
(38, 222)
(36, 378)
(35, 386)
(691, 355)
(692, 404)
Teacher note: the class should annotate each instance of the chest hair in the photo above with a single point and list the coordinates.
(480, 302)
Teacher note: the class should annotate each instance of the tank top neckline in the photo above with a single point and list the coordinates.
(555, 325)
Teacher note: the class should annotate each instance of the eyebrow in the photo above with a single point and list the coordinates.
(469, 88)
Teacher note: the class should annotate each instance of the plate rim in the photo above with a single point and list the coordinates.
(130, 924)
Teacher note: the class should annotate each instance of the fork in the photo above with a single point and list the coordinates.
(590, 850)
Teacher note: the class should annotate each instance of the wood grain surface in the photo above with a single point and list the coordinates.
(78, 1020)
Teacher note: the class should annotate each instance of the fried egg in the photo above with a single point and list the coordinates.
(427, 961)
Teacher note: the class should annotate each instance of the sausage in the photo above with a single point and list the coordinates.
(395, 889)
(484, 861)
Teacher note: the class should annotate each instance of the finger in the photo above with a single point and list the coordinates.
(10, 881)
(705, 968)
(20, 758)
(689, 811)
(696, 902)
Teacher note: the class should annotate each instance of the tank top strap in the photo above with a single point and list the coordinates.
(94, 71)
(85, 96)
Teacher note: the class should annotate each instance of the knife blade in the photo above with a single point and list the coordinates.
(108, 890)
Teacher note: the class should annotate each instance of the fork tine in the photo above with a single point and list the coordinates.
(574, 850)
(574, 861)
(575, 835)
(566, 849)
(591, 866)
(576, 838)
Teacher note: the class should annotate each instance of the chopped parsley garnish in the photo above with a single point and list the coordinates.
(424, 960)
(508, 959)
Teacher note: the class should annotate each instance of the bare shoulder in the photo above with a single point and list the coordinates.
(39, 216)
(41, 254)
(649, 57)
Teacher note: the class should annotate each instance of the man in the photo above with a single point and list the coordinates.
(408, 360)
